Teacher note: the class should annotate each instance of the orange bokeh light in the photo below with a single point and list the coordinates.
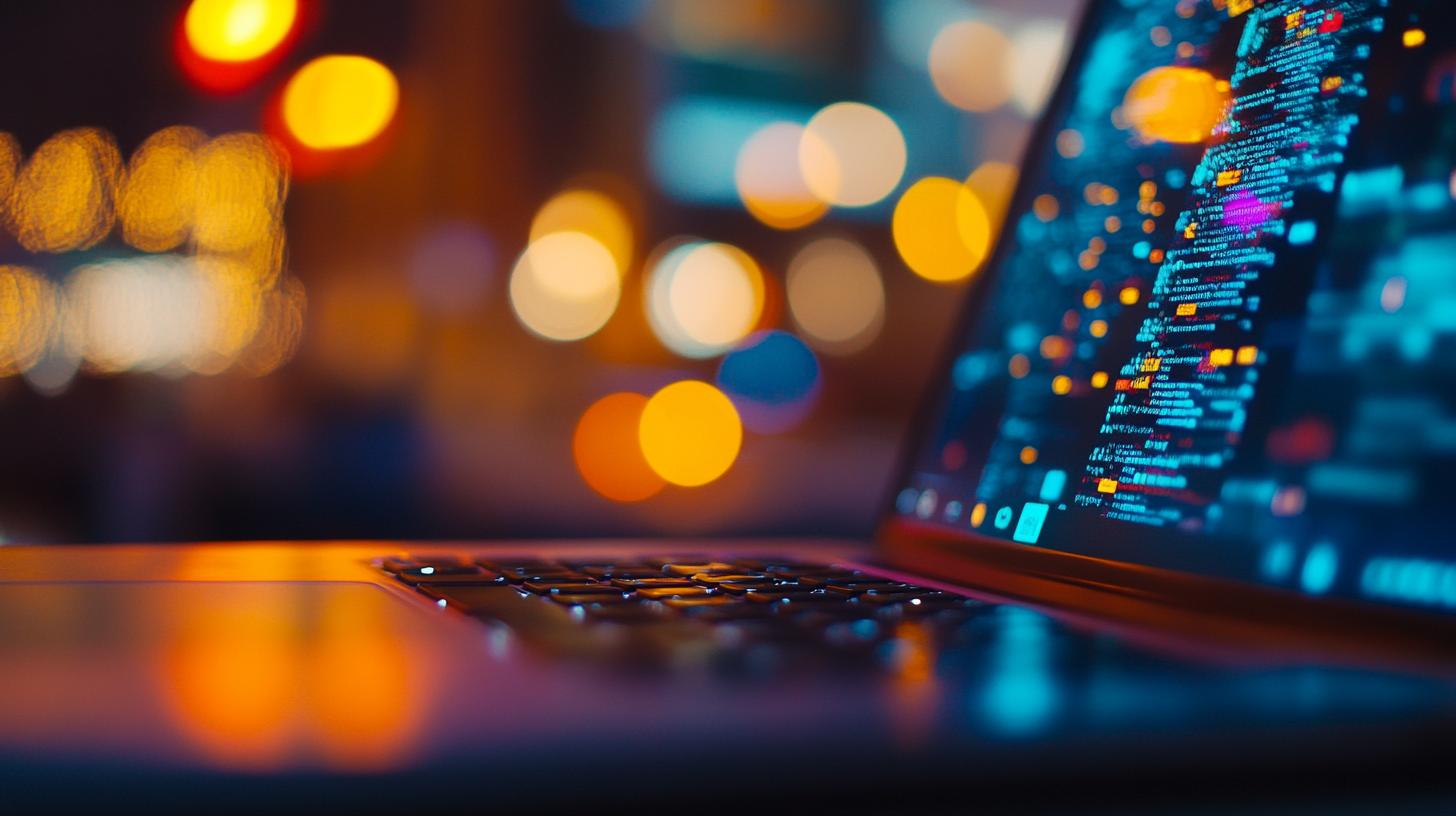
(608, 455)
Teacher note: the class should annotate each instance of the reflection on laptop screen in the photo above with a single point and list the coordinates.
(1231, 353)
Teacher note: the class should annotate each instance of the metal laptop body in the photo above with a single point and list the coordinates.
(352, 674)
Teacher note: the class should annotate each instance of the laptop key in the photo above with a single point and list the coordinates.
(477, 578)
(691, 569)
(412, 575)
(857, 587)
(569, 585)
(834, 577)
(613, 572)
(570, 598)
(659, 580)
(689, 603)
(715, 578)
(661, 593)
(745, 587)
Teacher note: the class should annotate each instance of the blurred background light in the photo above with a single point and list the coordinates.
(565, 286)
(1036, 60)
(27, 315)
(339, 101)
(159, 192)
(702, 297)
(591, 213)
(835, 295)
(241, 185)
(968, 65)
(941, 229)
(238, 30)
(1175, 104)
(694, 143)
(852, 154)
(607, 13)
(994, 182)
(773, 380)
(63, 197)
(452, 267)
(911, 26)
(770, 182)
(9, 167)
(690, 433)
(608, 452)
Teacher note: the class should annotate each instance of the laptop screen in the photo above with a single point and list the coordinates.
(1220, 335)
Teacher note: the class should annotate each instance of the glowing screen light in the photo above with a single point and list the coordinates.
(63, 197)
(339, 101)
(591, 213)
(607, 451)
(703, 297)
(941, 229)
(565, 286)
(835, 295)
(773, 379)
(690, 433)
(852, 154)
(238, 30)
(967, 65)
(770, 182)
(1175, 104)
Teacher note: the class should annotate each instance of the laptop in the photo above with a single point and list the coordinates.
(1174, 521)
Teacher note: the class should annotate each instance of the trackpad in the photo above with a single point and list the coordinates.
(239, 675)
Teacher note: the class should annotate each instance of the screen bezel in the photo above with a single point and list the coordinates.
(907, 541)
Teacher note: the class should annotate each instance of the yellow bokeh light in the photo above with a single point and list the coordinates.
(994, 182)
(339, 101)
(770, 181)
(9, 168)
(704, 297)
(158, 194)
(27, 313)
(852, 154)
(690, 433)
(1175, 104)
(238, 30)
(967, 65)
(240, 187)
(62, 198)
(835, 295)
(941, 229)
(565, 286)
(592, 213)
(607, 451)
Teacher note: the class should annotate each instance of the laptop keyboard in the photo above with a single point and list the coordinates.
(767, 598)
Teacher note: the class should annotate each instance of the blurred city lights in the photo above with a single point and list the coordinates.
(241, 185)
(941, 229)
(852, 154)
(690, 433)
(773, 380)
(565, 286)
(1175, 104)
(158, 195)
(592, 213)
(702, 298)
(968, 65)
(452, 266)
(835, 295)
(63, 196)
(238, 30)
(1036, 61)
(770, 182)
(156, 313)
(608, 452)
(27, 314)
(9, 168)
(339, 101)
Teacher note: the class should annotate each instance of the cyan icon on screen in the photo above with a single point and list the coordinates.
(1028, 529)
